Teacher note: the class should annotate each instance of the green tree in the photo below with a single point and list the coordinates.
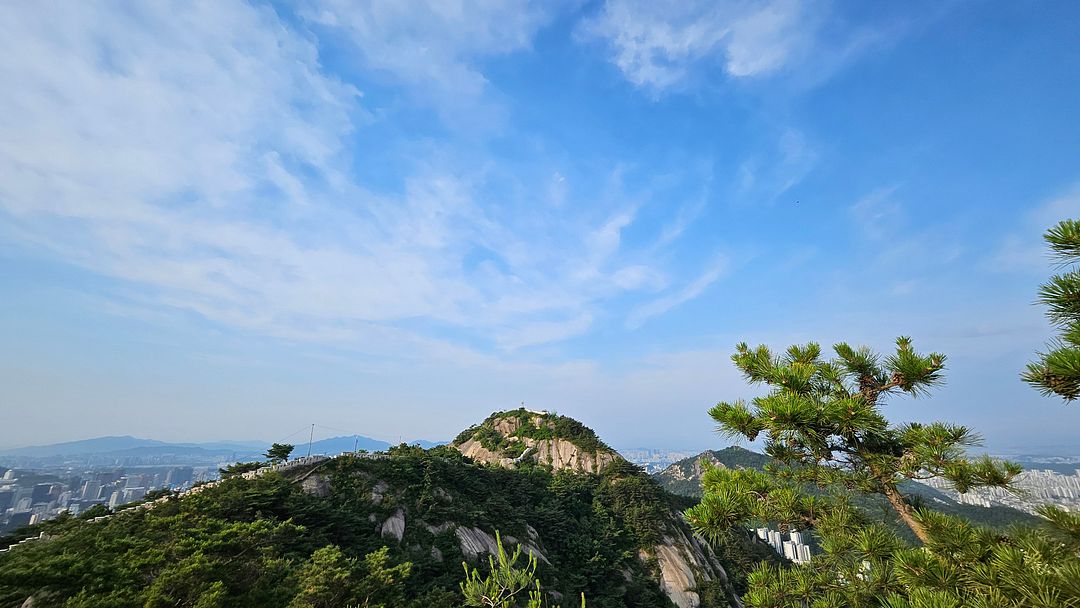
(961, 566)
(325, 581)
(506, 585)
(1057, 371)
(279, 452)
(330, 579)
(239, 468)
(822, 425)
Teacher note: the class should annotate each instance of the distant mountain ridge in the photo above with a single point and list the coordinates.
(128, 445)
(684, 476)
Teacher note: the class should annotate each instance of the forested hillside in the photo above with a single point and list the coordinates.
(395, 530)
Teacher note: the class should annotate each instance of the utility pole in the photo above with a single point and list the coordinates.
(310, 437)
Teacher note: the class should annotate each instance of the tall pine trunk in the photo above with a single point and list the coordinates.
(904, 510)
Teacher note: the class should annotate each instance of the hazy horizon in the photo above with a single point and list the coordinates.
(235, 219)
(1064, 450)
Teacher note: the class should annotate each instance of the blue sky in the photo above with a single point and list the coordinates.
(228, 220)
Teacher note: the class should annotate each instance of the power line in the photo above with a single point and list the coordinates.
(293, 434)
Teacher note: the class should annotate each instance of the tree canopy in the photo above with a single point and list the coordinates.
(1057, 370)
(279, 452)
(822, 425)
(506, 585)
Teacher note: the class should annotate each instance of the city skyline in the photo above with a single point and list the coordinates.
(227, 220)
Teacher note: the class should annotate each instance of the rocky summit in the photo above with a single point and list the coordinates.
(519, 436)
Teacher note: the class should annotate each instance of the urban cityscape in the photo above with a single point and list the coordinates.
(1032, 489)
(31, 497)
(654, 460)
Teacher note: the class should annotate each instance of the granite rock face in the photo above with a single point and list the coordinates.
(557, 452)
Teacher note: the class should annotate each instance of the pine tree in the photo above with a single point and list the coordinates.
(506, 585)
(1057, 371)
(330, 579)
(279, 452)
(823, 425)
(962, 566)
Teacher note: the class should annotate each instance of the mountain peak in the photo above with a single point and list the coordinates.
(684, 477)
(510, 438)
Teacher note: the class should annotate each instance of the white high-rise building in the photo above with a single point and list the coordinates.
(791, 551)
(777, 541)
(794, 548)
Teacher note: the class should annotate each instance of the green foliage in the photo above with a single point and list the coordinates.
(822, 425)
(279, 452)
(465, 435)
(506, 585)
(265, 543)
(685, 476)
(960, 565)
(490, 438)
(95, 511)
(588, 538)
(239, 468)
(240, 544)
(637, 502)
(513, 448)
(331, 579)
(1057, 370)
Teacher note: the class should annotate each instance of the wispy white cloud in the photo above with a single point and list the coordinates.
(1063, 206)
(665, 44)
(878, 214)
(200, 154)
(777, 168)
(695, 288)
(656, 44)
(434, 47)
(543, 332)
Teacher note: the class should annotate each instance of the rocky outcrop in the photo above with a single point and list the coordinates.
(685, 561)
(475, 541)
(696, 469)
(378, 490)
(394, 525)
(557, 452)
(316, 485)
(561, 454)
